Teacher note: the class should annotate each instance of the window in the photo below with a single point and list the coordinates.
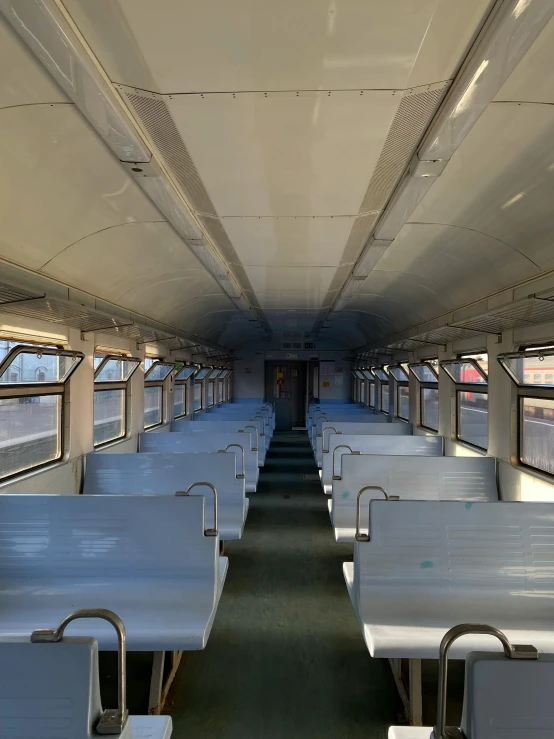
(199, 377)
(426, 374)
(370, 377)
(154, 379)
(32, 386)
(182, 376)
(112, 373)
(211, 401)
(220, 391)
(384, 398)
(532, 371)
(469, 372)
(401, 377)
(362, 391)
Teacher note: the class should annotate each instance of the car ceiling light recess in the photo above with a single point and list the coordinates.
(43, 27)
(511, 29)
(51, 35)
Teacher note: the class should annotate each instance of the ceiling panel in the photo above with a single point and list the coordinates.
(457, 259)
(285, 154)
(58, 184)
(313, 280)
(119, 263)
(532, 79)
(501, 180)
(283, 299)
(262, 45)
(289, 241)
(23, 81)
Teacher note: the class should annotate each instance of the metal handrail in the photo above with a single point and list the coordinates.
(207, 532)
(341, 446)
(255, 448)
(262, 433)
(112, 721)
(263, 420)
(512, 651)
(329, 428)
(360, 536)
(239, 446)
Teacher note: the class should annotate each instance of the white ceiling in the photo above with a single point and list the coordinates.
(284, 109)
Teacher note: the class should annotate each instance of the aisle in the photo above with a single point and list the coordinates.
(286, 658)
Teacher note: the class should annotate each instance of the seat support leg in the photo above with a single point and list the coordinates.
(416, 697)
(158, 687)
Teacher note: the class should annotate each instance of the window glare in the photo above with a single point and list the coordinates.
(537, 433)
(109, 415)
(473, 425)
(152, 406)
(30, 432)
(430, 408)
(179, 401)
(403, 410)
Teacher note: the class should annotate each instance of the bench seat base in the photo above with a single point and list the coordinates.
(156, 616)
(412, 625)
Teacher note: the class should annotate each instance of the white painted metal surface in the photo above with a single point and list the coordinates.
(410, 478)
(457, 563)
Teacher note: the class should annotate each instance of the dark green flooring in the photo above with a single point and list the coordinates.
(286, 657)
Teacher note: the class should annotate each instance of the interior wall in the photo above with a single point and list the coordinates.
(65, 477)
(248, 377)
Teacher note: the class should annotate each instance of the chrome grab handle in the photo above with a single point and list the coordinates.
(207, 532)
(329, 428)
(239, 446)
(112, 721)
(360, 536)
(341, 446)
(241, 431)
(263, 421)
(512, 651)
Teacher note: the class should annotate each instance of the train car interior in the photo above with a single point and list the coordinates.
(276, 369)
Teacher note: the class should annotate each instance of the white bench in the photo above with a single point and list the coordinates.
(260, 419)
(342, 444)
(147, 558)
(192, 442)
(507, 693)
(355, 415)
(166, 474)
(430, 565)
(409, 478)
(251, 429)
(373, 425)
(49, 686)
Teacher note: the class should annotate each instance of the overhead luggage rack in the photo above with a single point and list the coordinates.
(527, 312)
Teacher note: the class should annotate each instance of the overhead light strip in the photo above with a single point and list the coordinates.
(511, 29)
(52, 36)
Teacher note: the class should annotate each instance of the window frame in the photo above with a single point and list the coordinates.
(527, 391)
(401, 377)
(105, 385)
(370, 378)
(159, 383)
(16, 391)
(183, 382)
(423, 385)
(477, 388)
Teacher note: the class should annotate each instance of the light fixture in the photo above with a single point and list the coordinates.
(52, 36)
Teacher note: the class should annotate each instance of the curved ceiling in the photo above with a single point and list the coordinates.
(287, 160)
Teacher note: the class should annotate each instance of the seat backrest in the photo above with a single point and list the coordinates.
(221, 426)
(508, 697)
(362, 418)
(162, 474)
(377, 426)
(410, 478)
(448, 546)
(185, 442)
(431, 446)
(105, 538)
(49, 690)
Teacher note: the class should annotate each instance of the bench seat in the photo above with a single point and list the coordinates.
(426, 446)
(375, 425)
(167, 474)
(431, 565)
(223, 426)
(192, 443)
(146, 558)
(410, 478)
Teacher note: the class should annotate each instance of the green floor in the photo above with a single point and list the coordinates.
(285, 658)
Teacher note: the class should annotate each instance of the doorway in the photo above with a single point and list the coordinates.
(285, 387)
